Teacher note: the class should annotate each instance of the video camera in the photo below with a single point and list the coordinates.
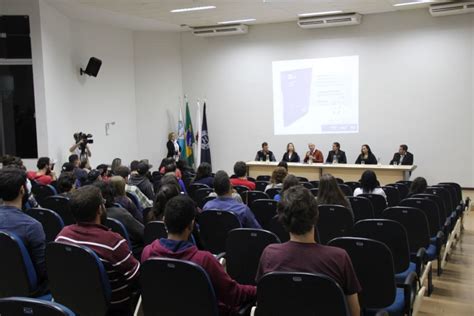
(85, 138)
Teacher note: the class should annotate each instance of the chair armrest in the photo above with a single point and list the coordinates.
(409, 290)
(419, 259)
(221, 258)
(245, 309)
(439, 241)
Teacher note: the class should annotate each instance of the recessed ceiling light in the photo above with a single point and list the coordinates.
(412, 3)
(193, 9)
(236, 21)
(320, 13)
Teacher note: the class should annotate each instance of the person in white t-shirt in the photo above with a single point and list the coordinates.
(369, 185)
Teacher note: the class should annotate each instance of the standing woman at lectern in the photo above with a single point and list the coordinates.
(366, 156)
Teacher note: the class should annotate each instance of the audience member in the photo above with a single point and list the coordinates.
(402, 157)
(167, 162)
(290, 155)
(170, 169)
(226, 202)
(290, 181)
(67, 167)
(313, 154)
(369, 185)
(9, 161)
(118, 186)
(117, 162)
(298, 211)
(418, 185)
(180, 214)
(92, 177)
(66, 183)
(14, 194)
(87, 206)
(330, 193)
(45, 174)
(336, 155)
(265, 154)
(204, 175)
(74, 159)
(165, 193)
(366, 156)
(283, 164)
(240, 171)
(278, 176)
(124, 172)
(141, 180)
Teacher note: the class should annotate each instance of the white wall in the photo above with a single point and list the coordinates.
(158, 90)
(415, 87)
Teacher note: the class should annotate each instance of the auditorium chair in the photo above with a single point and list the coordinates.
(362, 207)
(196, 186)
(50, 220)
(135, 201)
(346, 189)
(315, 183)
(261, 185)
(264, 178)
(334, 221)
(23, 306)
(307, 185)
(41, 192)
(276, 227)
(117, 227)
(422, 252)
(297, 293)
(176, 287)
(17, 273)
(314, 191)
(77, 279)
(242, 190)
(449, 208)
(154, 230)
(353, 185)
(379, 203)
(373, 265)
(251, 196)
(200, 194)
(393, 196)
(214, 225)
(339, 181)
(403, 189)
(252, 179)
(244, 247)
(406, 182)
(302, 179)
(264, 210)
(207, 199)
(60, 205)
(274, 191)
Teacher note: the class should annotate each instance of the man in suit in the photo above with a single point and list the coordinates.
(403, 157)
(265, 154)
(336, 155)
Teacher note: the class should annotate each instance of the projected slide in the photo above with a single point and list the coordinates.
(316, 96)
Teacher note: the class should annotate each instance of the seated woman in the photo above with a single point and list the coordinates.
(204, 175)
(418, 186)
(366, 156)
(278, 175)
(330, 193)
(369, 185)
(165, 193)
(290, 181)
(118, 185)
(291, 155)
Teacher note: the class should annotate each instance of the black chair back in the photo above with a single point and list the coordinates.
(307, 185)
(60, 205)
(452, 193)
(339, 180)
(393, 196)
(296, 293)
(457, 188)
(276, 227)
(264, 178)
(302, 179)
(261, 185)
(378, 202)
(87, 293)
(444, 195)
(264, 210)
(207, 199)
(41, 192)
(406, 182)
(429, 208)
(22, 306)
(403, 189)
(52, 223)
(241, 189)
(415, 223)
(243, 250)
(166, 282)
(117, 227)
(315, 183)
(135, 200)
(155, 230)
(334, 221)
(251, 196)
(314, 191)
(214, 225)
(362, 207)
(392, 234)
(439, 202)
(272, 192)
(346, 189)
(17, 273)
(200, 194)
(353, 185)
(373, 264)
(251, 179)
(196, 186)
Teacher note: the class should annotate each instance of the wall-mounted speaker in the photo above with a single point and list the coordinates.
(93, 67)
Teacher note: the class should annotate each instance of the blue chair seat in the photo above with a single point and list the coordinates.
(433, 240)
(396, 309)
(46, 297)
(431, 252)
(400, 277)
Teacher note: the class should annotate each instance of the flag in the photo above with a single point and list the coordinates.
(198, 135)
(205, 148)
(189, 137)
(181, 133)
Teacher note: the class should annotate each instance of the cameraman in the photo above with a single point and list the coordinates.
(81, 148)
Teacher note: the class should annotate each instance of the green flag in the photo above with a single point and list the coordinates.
(189, 137)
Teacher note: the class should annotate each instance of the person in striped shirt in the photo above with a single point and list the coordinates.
(87, 206)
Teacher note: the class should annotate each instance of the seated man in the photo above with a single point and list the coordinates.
(66, 183)
(87, 207)
(336, 155)
(140, 179)
(13, 192)
(240, 171)
(298, 211)
(403, 157)
(45, 174)
(179, 219)
(313, 154)
(265, 154)
(124, 172)
(226, 202)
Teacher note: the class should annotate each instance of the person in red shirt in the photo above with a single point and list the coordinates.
(179, 219)
(45, 174)
(240, 170)
(298, 212)
(313, 154)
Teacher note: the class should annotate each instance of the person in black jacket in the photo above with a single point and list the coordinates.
(265, 154)
(174, 150)
(403, 157)
(336, 155)
(291, 155)
(366, 156)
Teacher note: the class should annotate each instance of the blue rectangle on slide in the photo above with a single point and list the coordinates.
(341, 128)
(296, 91)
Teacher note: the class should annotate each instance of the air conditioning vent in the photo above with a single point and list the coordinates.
(344, 19)
(220, 30)
(452, 8)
